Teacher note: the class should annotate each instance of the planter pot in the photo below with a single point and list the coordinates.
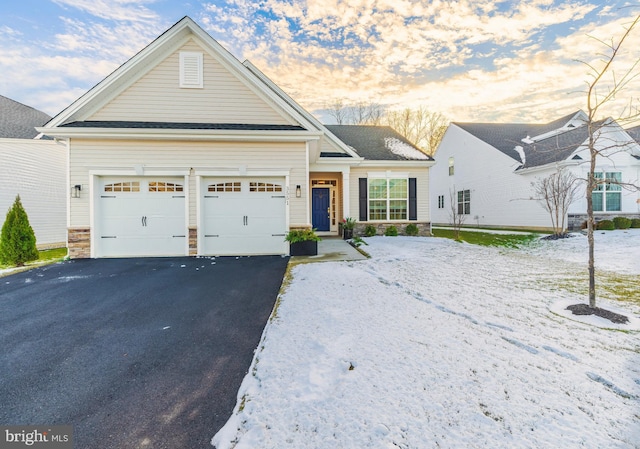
(307, 248)
(347, 234)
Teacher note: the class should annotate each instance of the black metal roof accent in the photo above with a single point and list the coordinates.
(178, 125)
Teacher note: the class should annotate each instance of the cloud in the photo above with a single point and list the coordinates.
(51, 73)
(121, 10)
(468, 59)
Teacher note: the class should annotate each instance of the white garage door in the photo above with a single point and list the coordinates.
(243, 216)
(141, 217)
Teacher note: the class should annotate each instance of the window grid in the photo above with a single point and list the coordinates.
(165, 187)
(388, 199)
(464, 202)
(264, 187)
(224, 187)
(125, 186)
(607, 195)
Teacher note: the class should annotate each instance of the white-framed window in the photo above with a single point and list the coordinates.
(231, 186)
(464, 202)
(451, 166)
(388, 199)
(264, 187)
(161, 186)
(191, 68)
(124, 186)
(607, 196)
(440, 201)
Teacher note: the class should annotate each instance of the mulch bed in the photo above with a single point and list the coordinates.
(584, 309)
(558, 236)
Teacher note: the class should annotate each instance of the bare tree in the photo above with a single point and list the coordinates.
(456, 213)
(600, 92)
(338, 111)
(421, 127)
(555, 193)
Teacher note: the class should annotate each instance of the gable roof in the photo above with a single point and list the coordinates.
(555, 148)
(107, 89)
(506, 136)
(379, 143)
(18, 121)
(634, 133)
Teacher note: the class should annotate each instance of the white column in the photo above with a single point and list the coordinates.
(345, 193)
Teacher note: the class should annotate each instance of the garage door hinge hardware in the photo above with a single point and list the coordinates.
(211, 196)
(278, 235)
(107, 196)
(278, 196)
(245, 220)
(211, 235)
(144, 220)
(178, 236)
(108, 237)
(177, 196)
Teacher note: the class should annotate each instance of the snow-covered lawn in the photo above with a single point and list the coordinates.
(436, 344)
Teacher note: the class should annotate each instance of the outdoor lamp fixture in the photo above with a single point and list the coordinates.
(75, 191)
(298, 191)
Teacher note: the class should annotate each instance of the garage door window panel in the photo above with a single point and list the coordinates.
(125, 186)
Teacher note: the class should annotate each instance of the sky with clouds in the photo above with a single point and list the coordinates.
(483, 60)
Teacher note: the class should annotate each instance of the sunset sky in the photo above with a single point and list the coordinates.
(482, 61)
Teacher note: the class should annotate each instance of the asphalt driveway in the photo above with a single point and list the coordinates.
(134, 353)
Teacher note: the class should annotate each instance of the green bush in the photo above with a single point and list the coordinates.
(635, 223)
(301, 235)
(391, 231)
(370, 231)
(622, 222)
(412, 229)
(17, 239)
(605, 225)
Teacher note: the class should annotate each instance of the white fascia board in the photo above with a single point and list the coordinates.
(181, 134)
(551, 166)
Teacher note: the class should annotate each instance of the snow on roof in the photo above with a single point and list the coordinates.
(396, 146)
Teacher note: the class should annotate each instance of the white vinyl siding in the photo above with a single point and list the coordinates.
(157, 96)
(89, 155)
(36, 170)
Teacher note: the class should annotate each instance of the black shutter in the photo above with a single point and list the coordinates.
(413, 201)
(362, 195)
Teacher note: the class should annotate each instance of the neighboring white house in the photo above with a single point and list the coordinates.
(35, 170)
(486, 171)
(184, 150)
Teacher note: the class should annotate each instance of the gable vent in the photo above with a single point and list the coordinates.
(191, 70)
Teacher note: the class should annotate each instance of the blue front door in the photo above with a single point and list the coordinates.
(320, 209)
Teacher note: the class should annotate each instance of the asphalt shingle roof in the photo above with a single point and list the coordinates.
(177, 125)
(505, 136)
(18, 121)
(377, 143)
(634, 133)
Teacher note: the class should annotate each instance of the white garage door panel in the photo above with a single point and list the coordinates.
(141, 217)
(244, 216)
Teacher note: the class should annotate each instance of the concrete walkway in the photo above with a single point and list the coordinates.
(331, 249)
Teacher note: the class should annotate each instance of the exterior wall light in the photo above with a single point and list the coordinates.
(298, 191)
(75, 191)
